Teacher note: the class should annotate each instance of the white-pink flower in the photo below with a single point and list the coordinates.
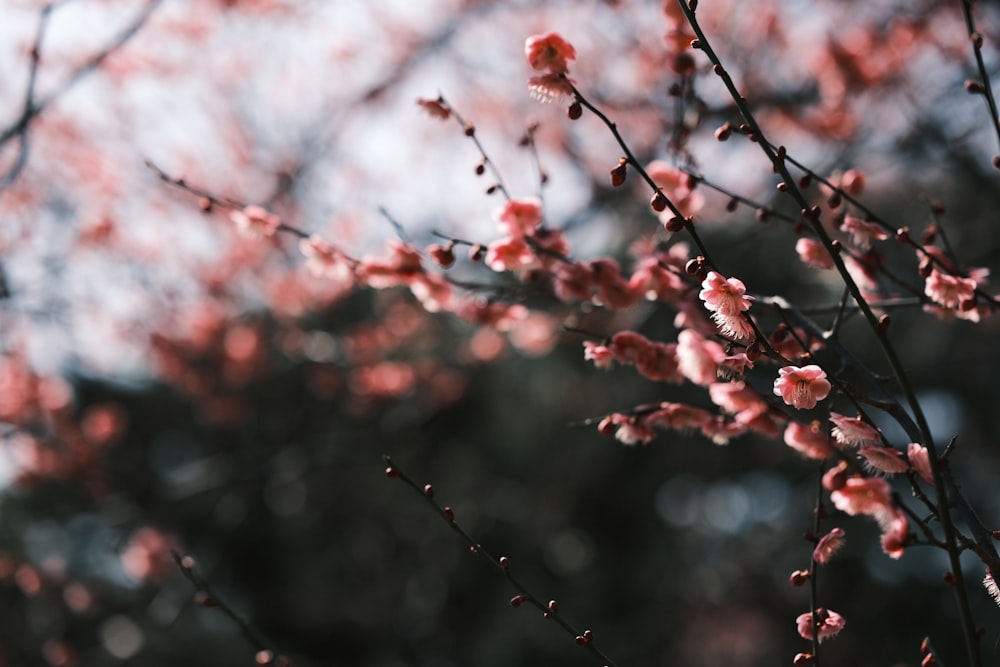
(884, 460)
(255, 222)
(920, 461)
(726, 296)
(863, 232)
(948, 290)
(802, 387)
(990, 584)
(325, 261)
(853, 431)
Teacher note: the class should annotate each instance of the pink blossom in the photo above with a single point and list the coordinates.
(433, 291)
(677, 186)
(829, 545)
(549, 53)
(501, 316)
(146, 557)
(919, 459)
(734, 365)
(678, 417)
(724, 295)
(883, 459)
(802, 387)
(551, 247)
(851, 431)
(863, 232)
(254, 222)
(737, 399)
(785, 341)
(519, 217)
(628, 346)
(895, 533)
(698, 358)
(836, 477)
(808, 440)
(325, 261)
(550, 87)
(659, 363)
(600, 354)
(508, 254)
(629, 429)
(401, 267)
(535, 335)
(863, 495)
(573, 281)
(721, 431)
(828, 623)
(654, 282)
(990, 584)
(948, 290)
(737, 327)
(767, 423)
(813, 253)
(612, 290)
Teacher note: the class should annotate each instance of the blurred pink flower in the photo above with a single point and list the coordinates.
(802, 387)
(698, 358)
(829, 545)
(146, 557)
(549, 53)
(863, 232)
(679, 417)
(895, 533)
(678, 187)
(519, 217)
(325, 261)
(920, 461)
(812, 253)
(629, 429)
(254, 222)
(808, 440)
(828, 624)
(600, 354)
(948, 290)
(509, 254)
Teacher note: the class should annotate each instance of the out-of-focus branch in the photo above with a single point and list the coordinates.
(983, 84)
(206, 597)
(33, 107)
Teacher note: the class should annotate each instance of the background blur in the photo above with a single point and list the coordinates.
(166, 384)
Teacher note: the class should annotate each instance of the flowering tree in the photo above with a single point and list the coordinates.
(778, 218)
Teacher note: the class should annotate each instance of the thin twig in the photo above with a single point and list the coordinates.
(550, 610)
